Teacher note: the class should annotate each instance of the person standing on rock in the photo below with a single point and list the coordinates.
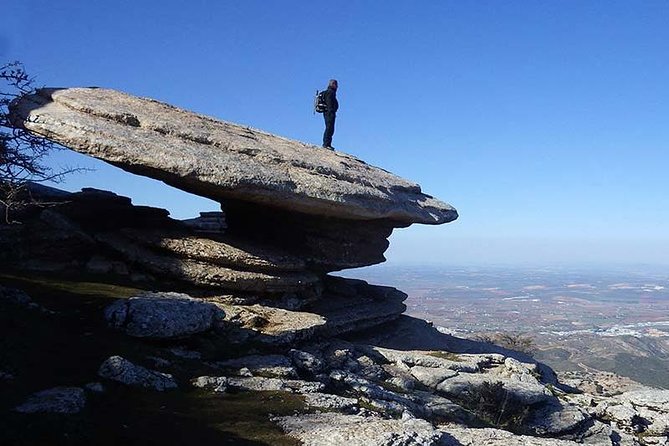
(330, 113)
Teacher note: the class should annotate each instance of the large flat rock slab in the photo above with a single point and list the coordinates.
(223, 161)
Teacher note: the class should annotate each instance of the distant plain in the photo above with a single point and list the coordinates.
(612, 319)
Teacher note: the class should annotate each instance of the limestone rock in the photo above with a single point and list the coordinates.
(274, 366)
(66, 400)
(329, 429)
(223, 250)
(431, 376)
(350, 305)
(554, 418)
(271, 325)
(457, 435)
(461, 363)
(306, 361)
(651, 411)
(325, 243)
(162, 315)
(438, 407)
(205, 274)
(219, 160)
(326, 401)
(121, 370)
(526, 393)
(257, 383)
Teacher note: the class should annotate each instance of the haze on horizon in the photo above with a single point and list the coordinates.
(543, 123)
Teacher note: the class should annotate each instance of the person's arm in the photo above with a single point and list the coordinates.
(330, 101)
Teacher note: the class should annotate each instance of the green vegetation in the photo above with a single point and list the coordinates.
(81, 288)
(512, 341)
(446, 355)
(495, 406)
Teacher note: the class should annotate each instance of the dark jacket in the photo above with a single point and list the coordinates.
(331, 100)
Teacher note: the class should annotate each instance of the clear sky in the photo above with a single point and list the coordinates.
(545, 123)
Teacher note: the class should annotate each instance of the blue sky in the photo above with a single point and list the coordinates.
(545, 123)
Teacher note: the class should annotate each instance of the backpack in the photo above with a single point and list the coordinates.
(319, 102)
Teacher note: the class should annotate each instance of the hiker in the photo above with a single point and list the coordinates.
(330, 113)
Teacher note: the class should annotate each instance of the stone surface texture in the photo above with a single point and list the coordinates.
(162, 315)
(65, 400)
(329, 429)
(220, 160)
(259, 309)
(125, 372)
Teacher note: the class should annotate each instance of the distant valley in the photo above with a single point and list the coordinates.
(614, 320)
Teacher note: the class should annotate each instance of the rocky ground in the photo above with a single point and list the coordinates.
(75, 372)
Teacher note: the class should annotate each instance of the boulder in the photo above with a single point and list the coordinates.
(125, 372)
(457, 435)
(554, 418)
(162, 315)
(467, 383)
(65, 400)
(220, 160)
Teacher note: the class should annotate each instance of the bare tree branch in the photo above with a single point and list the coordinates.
(22, 154)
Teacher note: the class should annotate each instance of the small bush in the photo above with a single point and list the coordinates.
(496, 406)
(512, 341)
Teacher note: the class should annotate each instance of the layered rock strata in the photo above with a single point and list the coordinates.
(292, 213)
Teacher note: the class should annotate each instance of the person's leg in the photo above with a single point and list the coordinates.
(329, 129)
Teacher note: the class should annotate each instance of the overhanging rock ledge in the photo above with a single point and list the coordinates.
(220, 160)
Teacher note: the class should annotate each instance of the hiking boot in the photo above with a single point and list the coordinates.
(328, 147)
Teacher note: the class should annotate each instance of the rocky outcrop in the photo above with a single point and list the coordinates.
(256, 277)
(291, 214)
(162, 315)
(330, 428)
(121, 370)
(223, 161)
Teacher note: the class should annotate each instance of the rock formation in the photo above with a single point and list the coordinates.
(241, 301)
(292, 212)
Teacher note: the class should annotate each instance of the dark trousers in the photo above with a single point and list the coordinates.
(329, 128)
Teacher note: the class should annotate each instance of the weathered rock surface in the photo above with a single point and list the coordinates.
(270, 325)
(430, 376)
(217, 250)
(219, 160)
(273, 366)
(326, 401)
(162, 315)
(66, 400)
(205, 274)
(555, 418)
(121, 370)
(257, 383)
(351, 305)
(329, 429)
(457, 435)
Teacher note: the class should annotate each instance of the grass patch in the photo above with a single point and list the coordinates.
(494, 406)
(446, 355)
(70, 286)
